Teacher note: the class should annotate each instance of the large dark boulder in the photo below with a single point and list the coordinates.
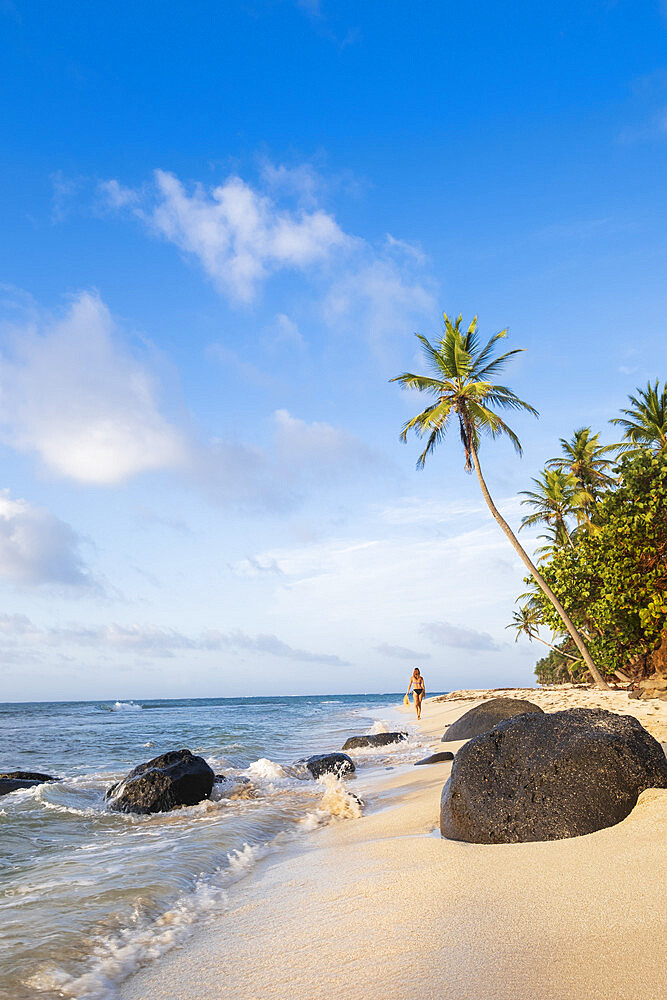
(373, 740)
(329, 763)
(11, 781)
(177, 778)
(548, 776)
(436, 758)
(483, 717)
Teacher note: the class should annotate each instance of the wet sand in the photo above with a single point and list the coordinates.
(382, 908)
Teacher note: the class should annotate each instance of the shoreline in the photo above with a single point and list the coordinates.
(382, 906)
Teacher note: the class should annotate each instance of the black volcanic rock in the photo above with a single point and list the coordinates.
(483, 717)
(11, 781)
(374, 740)
(436, 758)
(549, 776)
(177, 778)
(330, 763)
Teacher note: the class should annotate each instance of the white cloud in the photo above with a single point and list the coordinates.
(15, 626)
(155, 641)
(117, 196)
(72, 393)
(270, 644)
(317, 449)
(303, 180)
(63, 190)
(254, 566)
(381, 297)
(459, 637)
(285, 332)
(277, 476)
(36, 547)
(411, 249)
(239, 235)
(400, 652)
(410, 511)
(382, 585)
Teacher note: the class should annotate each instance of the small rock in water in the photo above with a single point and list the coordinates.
(436, 758)
(549, 776)
(177, 778)
(12, 781)
(483, 717)
(373, 740)
(329, 763)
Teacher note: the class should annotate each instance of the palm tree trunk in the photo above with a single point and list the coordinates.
(557, 650)
(537, 576)
(567, 535)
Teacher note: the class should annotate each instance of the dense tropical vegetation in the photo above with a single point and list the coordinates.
(601, 589)
(606, 556)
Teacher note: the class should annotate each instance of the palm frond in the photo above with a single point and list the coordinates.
(459, 376)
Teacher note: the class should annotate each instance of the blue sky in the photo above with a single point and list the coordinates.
(222, 224)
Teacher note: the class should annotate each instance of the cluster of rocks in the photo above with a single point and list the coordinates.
(545, 776)
(181, 778)
(522, 775)
(654, 686)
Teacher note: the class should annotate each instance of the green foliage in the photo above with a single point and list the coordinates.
(613, 583)
(556, 497)
(586, 459)
(645, 425)
(557, 669)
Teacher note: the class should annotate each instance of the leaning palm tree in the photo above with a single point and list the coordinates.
(645, 426)
(460, 384)
(557, 496)
(584, 457)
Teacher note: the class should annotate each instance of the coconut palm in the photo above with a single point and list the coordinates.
(554, 541)
(556, 498)
(645, 426)
(460, 384)
(584, 457)
(527, 621)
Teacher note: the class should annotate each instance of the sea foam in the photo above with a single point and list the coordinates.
(267, 769)
(336, 801)
(120, 955)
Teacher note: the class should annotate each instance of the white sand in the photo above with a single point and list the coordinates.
(382, 908)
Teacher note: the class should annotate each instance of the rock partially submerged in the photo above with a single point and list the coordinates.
(549, 776)
(436, 758)
(373, 740)
(483, 717)
(177, 778)
(329, 763)
(12, 781)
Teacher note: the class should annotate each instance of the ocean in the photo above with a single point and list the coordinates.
(88, 895)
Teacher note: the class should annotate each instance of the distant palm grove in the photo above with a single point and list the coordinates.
(600, 583)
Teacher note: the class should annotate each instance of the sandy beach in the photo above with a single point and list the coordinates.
(383, 907)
